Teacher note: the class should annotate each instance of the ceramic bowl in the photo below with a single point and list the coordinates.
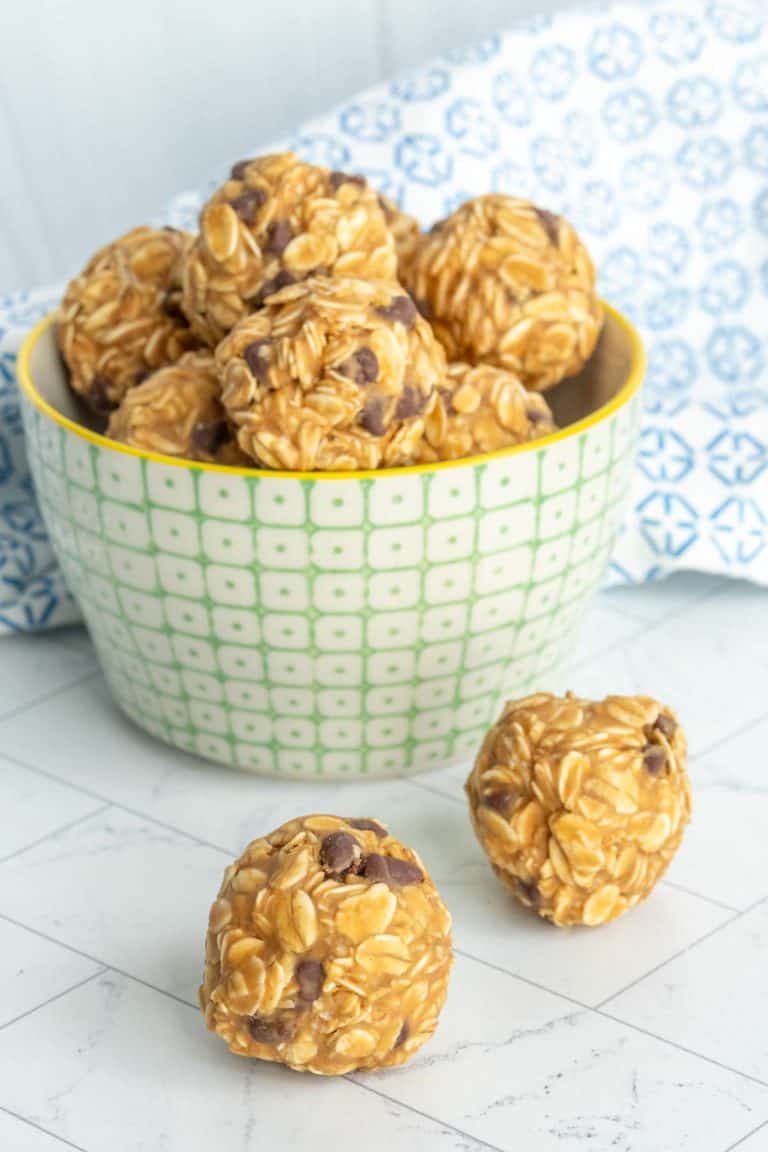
(310, 624)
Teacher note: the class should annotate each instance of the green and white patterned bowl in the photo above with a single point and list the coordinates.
(333, 624)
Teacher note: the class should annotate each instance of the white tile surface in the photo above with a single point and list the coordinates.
(32, 970)
(713, 998)
(119, 844)
(17, 1136)
(32, 806)
(117, 1066)
(520, 1069)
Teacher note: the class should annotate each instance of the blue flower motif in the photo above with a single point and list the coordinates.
(738, 530)
(621, 272)
(512, 178)
(372, 121)
(23, 516)
(733, 22)
(736, 457)
(468, 121)
(597, 210)
(423, 159)
(669, 250)
(423, 85)
(549, 163)
(6, 462)
(320, 148)
(705, 162)
(664, 455)
(735, 354)
(646, 181)
(719, 223)
(694, 102)
(750, 84)
(579, 138)
(511, 98)
(668, 523)
(760, 211)
(738, 406)
(756, 148)
(679, 39)
(7, 372)
(671, 366)
(615, 52)
(17, 565)
(629, 115)
(384, 180)
(665, 407)
(553, 71)
(667, 308)
(35, 605)
(477, 53)
(726, 287)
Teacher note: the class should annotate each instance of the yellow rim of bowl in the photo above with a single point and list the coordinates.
(625, 393)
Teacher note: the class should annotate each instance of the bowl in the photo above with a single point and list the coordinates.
(321, 624)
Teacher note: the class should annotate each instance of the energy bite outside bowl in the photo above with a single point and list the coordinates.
(328, 949)
(346, 623)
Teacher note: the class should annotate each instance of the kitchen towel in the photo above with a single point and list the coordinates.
(647, 125)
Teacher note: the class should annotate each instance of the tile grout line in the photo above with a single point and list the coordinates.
(54, 832)
(525, 980)
(39, 1128)
(750, 724)
(747, 1136)
(699, 895)
(21, 708)
(676, 956)
(53, 999)
(425, 1115)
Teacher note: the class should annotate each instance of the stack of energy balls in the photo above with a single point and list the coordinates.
(310, 325)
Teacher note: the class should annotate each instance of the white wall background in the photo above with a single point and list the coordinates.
(108, 108)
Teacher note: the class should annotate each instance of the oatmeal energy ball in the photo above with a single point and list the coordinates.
(482, 409)
(177, 412)
(328, 949)
(507, 283)
(121, 317)
(331, 374)
(581, 805)
(276, 221)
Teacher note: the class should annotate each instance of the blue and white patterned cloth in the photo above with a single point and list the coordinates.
(647, 125)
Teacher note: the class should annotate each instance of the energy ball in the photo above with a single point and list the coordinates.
(579, 804)
(121, 317)
(404, 228)
(482, 409)
(506, 283)
(328, 949)
(276, 221)
(177, 412)
(331, 374)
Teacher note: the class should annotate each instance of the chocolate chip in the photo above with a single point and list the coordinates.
(654, 758)
(339, 178)
(389, 870)
(279, 236)
(275, 1031)
(340, 853)
(372, 417)
(169, 228)
(401, 310)
(403, 1034)
(171, 306)
(529, 892)
(535, 415)
(666, 725)
(256, 356)
(210, 435)
(551, 224)
(425, 308)
(247, 204)
(366, 825)
(98, 396)
(309, 977)
(237, 171)
(142, 374)
(283, 279)
(362, 366)
(410, 403)
(498, 801)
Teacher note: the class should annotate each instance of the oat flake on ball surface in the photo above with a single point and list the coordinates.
(328, 949)
(580, 805)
